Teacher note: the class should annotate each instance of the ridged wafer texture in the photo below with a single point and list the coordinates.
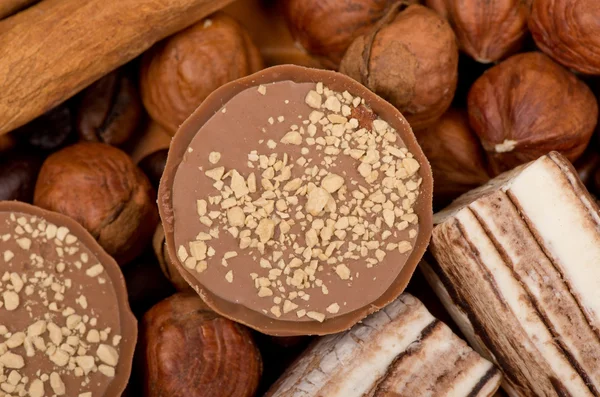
(518, 268)
(401, 350)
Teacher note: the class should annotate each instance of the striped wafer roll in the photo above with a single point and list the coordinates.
(518, 267)
(401, 350)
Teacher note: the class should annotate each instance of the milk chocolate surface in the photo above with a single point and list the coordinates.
(296, 201)
(65, 324)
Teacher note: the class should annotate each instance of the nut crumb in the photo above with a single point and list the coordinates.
(320, 317)
(214, 157)
(229, 276)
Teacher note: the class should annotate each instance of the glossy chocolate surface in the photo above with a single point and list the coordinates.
(64, 314)
(237, 121)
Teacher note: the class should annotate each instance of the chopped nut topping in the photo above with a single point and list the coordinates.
(316, 316)
(214, 157)
(333, 308)
(303, 220)
(48, 294)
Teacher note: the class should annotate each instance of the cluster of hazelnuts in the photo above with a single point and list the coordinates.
(537, 56)
(485, 85)
(476, 114)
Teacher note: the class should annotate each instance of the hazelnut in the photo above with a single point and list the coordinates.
(568, 31)
(180, 72)
(188, 350)
(99, 186)
(18, 173)
(168, 268)
(486, 30)
(527, 106)
(409, 59)
(455, 154)
(326, 28)
(111, 110)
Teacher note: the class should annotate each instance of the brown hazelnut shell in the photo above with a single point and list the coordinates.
(99, 186)
(457, 159)
(336, 82)
(411, 60)
(486, 30)
(188, 350)
(326, 28)
(180, 72)
(527, 106)
(568, 31)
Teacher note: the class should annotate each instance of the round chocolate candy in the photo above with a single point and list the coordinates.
(65, 324)
(296, 201)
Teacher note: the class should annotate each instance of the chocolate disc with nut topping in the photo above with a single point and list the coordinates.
(296, 201)
(65, 324)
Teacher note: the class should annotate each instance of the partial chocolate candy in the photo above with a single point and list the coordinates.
(400, 351)
(296, 201)
(65, 322)
(517, 267)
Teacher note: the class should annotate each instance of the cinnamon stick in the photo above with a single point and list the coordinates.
(10, 7)
(57, 47)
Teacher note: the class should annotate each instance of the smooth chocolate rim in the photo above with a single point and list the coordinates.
(338, 82)
(129, 331)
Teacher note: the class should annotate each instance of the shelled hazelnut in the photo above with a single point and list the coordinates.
(188, 350)
(100, 187)
(455, 154)
(486, 30)
(568, 31)
(111, 110)
(345, 21)
(527, 106)
(180, 72)
(411, 60)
